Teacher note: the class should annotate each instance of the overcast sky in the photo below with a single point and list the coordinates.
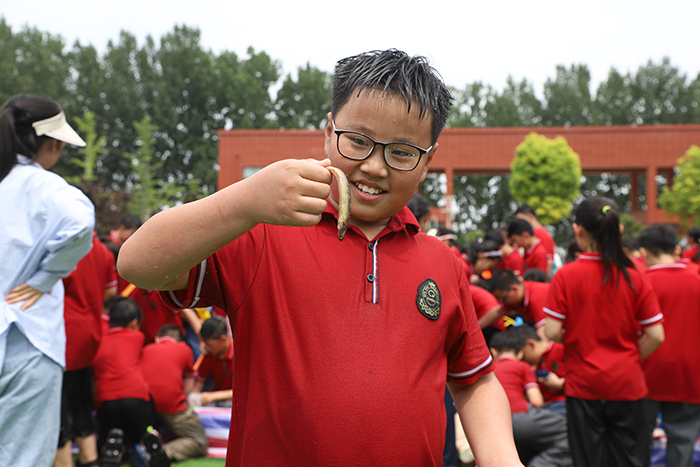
(465, 40)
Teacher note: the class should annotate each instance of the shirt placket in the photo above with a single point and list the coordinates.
(371, 289)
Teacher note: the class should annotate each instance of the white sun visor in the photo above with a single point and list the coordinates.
(58, 128)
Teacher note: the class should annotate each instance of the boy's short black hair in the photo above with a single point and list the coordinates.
(535, 275)
(388, 71)
(213, 328)
(526, 209)
(523, 333)
(658, 239)
(170, 330)
(123, 311)
(506, 342)
(419, 206)
(518, 226)
(495, 236)
(502, 279)
(694, 233)
(130, 221)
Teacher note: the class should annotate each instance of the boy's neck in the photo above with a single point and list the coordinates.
(507, 354)
(652, 260)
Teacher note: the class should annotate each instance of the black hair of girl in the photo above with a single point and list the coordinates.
(481, 246)
(601, 218)
(17, 136)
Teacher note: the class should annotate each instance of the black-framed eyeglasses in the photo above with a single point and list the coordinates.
(358, 147)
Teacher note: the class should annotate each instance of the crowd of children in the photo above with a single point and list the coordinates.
(604, 346)
(354, 374)
(129, 368)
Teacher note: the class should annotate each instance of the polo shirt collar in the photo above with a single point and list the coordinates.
(165, 339)
(590, 256)
(526, 298)
(667, 266)
(402, 220)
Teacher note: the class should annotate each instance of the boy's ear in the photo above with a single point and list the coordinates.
(133, 324)
(520, 354)
(429, 161)
(494, 352)
(328, 134)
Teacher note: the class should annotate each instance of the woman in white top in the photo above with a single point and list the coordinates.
(45, 229)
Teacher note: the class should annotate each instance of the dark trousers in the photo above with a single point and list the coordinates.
(131, 415)
(608, 433)
(681, 424)
(450, 456)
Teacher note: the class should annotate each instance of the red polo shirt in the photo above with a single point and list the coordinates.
(672, 369)
(341, 347)
(691, 252)
(85, 291)
(513, 262)
(221, 371)
(601, 325)
(542, 233)
(553, 361)
(485, 301)
(691, 266)
(155, 312)
(117, 367)
(516, 377)
(533, 302)
(536, 257)
(164, 365)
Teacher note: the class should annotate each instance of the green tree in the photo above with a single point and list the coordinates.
(683, 198)
(568, 97)
(304, 103)
(546, 174)
(150, 194)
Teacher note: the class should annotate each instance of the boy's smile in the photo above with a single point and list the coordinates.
(378, 191)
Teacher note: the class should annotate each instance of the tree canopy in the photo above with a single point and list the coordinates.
(188, 93)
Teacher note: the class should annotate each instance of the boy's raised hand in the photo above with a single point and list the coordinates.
(290, 192)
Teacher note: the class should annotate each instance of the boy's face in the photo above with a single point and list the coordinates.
(217, 347)
(522, 241)
(378, 191)
(513, 296)
(530, 352)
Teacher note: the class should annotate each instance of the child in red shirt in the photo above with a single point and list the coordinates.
(520, 232)
(527, 298)
(602, 302)
(547, 357)
(121, 393)
(218, 363)
(540, 435)
(671, 371)
(167, 366)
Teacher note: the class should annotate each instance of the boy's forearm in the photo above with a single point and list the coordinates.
(652, 338)
(485, 413)
(159, 255)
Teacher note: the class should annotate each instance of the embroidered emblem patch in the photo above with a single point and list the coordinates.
(428, 299)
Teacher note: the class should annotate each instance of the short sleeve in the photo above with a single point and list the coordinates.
(555, 305)
(647, 306)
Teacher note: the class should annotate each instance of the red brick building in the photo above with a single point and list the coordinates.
(637, 150)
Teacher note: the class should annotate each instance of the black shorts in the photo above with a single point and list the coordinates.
(77, 419)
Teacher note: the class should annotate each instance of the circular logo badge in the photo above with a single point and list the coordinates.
(428, 299)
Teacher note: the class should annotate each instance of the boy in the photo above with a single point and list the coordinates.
(167, 367)
(218, 363)
(540, 435)
(671, 371)
(121, 393)
(527, 212)
(335, 337)
(127, 226)
(511, 257)
(523, 296)
(546, 357)
(520, 232)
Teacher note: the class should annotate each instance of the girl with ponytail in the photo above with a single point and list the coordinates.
(596, 306)
(45, 229)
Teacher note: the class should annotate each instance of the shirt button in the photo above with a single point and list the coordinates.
(370, 277)
(371, 246)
